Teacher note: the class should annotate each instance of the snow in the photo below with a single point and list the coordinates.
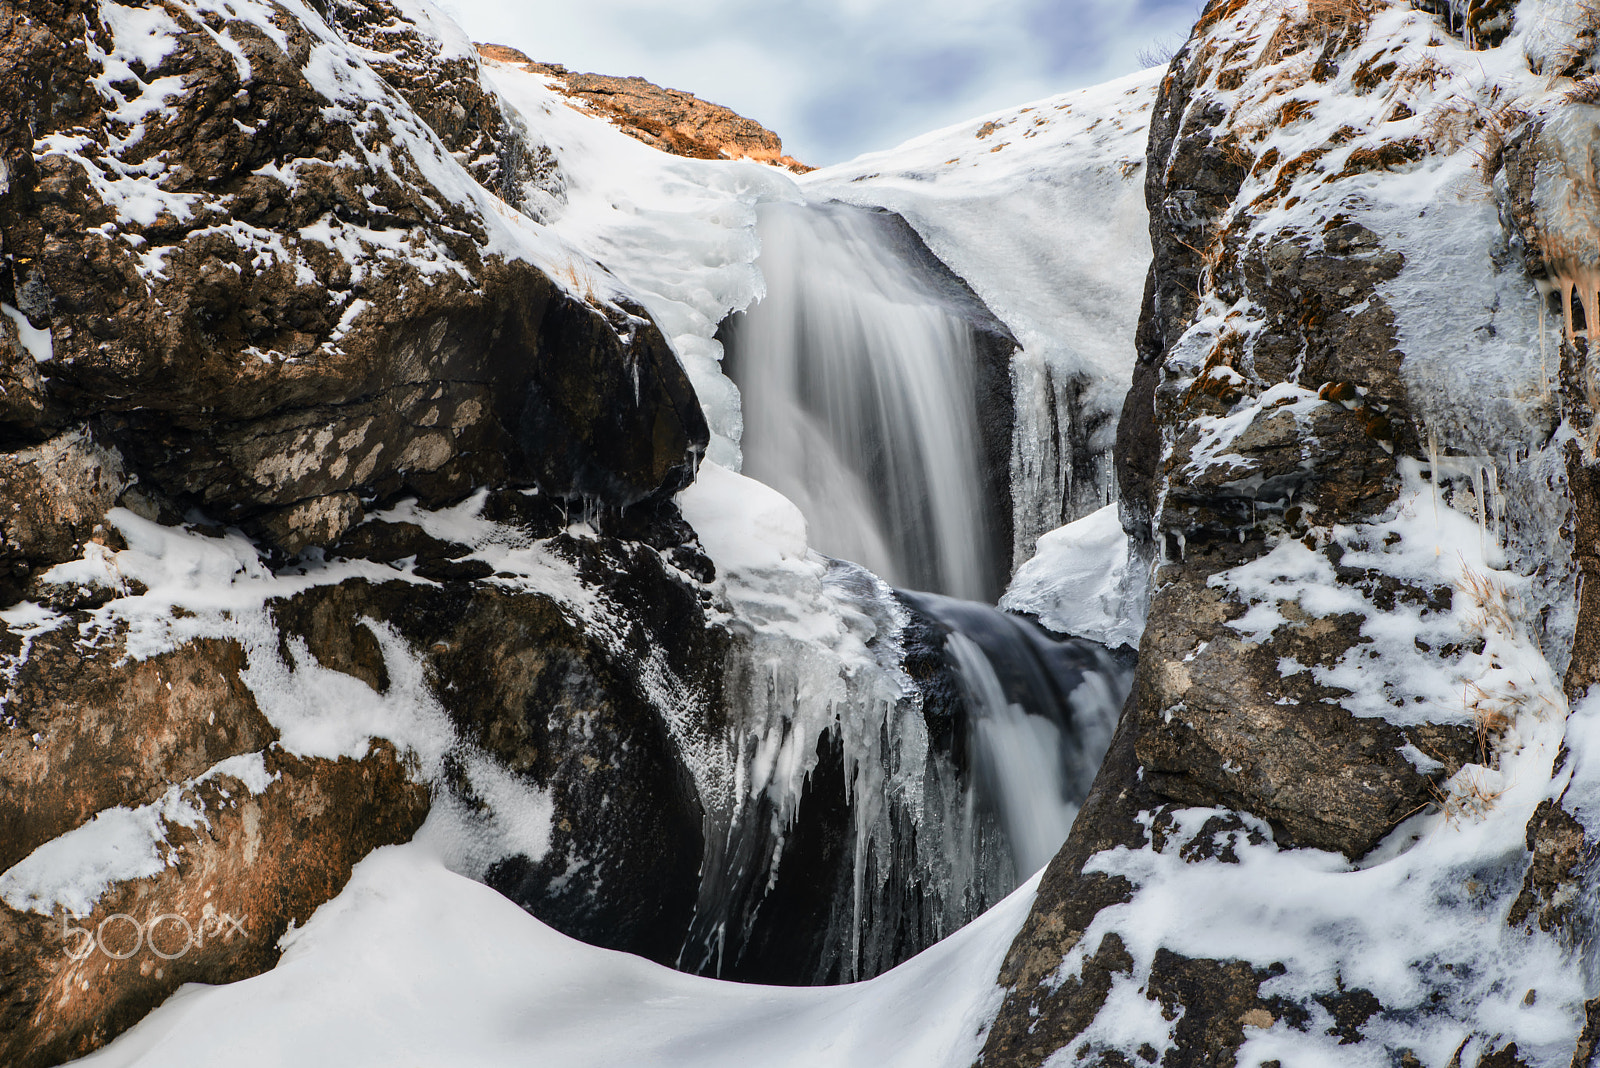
(1084, 581)
(679, 233)
(1043, 215)
(744, 526)
(40, 344)
(72, 871)
(414, 964)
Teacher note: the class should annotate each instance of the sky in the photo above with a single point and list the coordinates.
(836, 78)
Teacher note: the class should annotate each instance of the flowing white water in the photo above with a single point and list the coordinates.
(859, 402)
(1018, 756)
(1040, 713)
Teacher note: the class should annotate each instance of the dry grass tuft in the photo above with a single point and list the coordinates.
(1494, 609)
(1578, 55)
(1336, 16)
(1586, 91)
(1471, 797)
(579, 282)
(1492, 716)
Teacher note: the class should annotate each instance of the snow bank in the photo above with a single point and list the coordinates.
(1083, 581)
(415, 965)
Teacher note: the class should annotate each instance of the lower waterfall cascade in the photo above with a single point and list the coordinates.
(880, 813)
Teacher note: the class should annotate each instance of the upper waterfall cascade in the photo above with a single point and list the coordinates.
(859, 383)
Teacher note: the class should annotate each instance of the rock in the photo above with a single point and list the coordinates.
(315, 521)
(1274, 395)
(256, 863)
(439, 77)
(560, 709)
(56, 495)
(254, 345)
(89, 728)
(669, 119)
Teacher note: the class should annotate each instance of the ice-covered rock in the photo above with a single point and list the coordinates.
(1338, 823)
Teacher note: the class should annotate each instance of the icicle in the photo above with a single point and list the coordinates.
(1499, 501)
(1566, 309)
(1542, 291)
(1483, 512)
(1433, 471)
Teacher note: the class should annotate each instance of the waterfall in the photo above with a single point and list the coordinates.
(878, 800)
(1040, 714)
(859, 376)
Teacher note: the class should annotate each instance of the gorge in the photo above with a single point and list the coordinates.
(488, 581)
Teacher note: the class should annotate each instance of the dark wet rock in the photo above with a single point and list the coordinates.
(564, 709)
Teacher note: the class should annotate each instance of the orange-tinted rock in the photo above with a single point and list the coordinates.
(669, 119)
(232, 886)
(90, 728)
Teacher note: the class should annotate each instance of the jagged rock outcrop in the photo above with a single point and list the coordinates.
(669, 119)
(261, 276)
(272, 288)
(1326, 682)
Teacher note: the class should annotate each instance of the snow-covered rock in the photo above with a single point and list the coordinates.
(1343, 818)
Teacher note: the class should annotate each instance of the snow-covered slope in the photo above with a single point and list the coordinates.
(415, 965)
(679, 232)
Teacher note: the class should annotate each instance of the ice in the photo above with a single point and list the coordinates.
(680, 233)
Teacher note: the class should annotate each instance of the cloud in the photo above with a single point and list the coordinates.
(835, 78)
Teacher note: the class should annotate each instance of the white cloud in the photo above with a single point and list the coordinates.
(835, 78)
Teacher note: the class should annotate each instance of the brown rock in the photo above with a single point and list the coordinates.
(89, 728)
(254, 865)
(669, 119)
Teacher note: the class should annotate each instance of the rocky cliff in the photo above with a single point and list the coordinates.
(255, 287)
(1345, 818)
(352, 502)
(669, 119)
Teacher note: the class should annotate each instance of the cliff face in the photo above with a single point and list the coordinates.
(1357, 450)
(254, 274)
